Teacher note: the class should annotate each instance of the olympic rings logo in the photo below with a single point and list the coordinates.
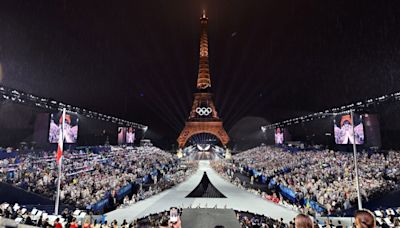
(203, 111)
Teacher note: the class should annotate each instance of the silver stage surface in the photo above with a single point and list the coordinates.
(237, 199)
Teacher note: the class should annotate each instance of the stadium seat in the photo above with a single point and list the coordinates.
(379, 220)
(52, 218)
(62, 220)
(37, 216)
(82, 214)
(4, 206)
(34, 211)
(18, 220)
(76, 212)
(378, 213)
(390, 211)
(388, 222)
(23, 211)
(16, 207)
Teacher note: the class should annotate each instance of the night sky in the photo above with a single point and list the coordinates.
(138, 60)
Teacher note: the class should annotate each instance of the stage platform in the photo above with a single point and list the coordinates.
(236, 199)
(208, 217)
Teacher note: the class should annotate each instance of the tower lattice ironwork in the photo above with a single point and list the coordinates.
(203, 117)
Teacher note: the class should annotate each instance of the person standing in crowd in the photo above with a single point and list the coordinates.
(303, 221)
(124, 223)
(86, 224)
(46, 223)
(57, 223)
(29, 221)
(364, 219)
(73, 224)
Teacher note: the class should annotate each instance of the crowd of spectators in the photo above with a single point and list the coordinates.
(71, 219)
(325, 176)
(12, 215)
(89, 177)
(251, 220)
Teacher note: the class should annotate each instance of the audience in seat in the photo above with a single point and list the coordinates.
(321, 176)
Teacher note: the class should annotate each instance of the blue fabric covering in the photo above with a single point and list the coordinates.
(124, 191)
(263, 179)
(256, 173)
(288, 193)
(146, 179)
(99, 206)
(272, 183)
(314, 205)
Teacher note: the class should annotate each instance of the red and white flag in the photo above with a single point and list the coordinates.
(61, 139)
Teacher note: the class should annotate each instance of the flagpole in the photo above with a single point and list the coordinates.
(58, 188)
(60, 164)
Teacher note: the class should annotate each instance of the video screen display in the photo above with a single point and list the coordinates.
(70, 128)
(126, 135)
(372, 130)
(279, 138)
(343, 129)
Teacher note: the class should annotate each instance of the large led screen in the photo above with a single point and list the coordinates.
(343, 128)
(126, 135)
(279, 138)
(70, 128)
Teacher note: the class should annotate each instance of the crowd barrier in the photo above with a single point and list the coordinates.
(288, 193)
(314, 205)
(124, 191)
(100, 206)
(103, 204)
(293, 197)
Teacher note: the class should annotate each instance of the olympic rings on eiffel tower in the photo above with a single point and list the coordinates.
(203, 111)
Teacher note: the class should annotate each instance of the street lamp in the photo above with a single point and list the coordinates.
(263, 129)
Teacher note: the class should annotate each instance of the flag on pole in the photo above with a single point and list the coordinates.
(59, 161)
(61, 138)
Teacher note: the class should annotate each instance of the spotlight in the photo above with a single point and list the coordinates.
(263, 129)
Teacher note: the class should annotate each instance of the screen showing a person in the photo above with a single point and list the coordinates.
(121, 135)
(343, 128)
(279, 136)
(70, 128)
(130, 135)
(126, 135)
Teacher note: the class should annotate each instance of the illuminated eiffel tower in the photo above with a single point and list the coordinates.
(203, 117)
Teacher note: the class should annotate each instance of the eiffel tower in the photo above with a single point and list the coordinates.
(203, 117)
